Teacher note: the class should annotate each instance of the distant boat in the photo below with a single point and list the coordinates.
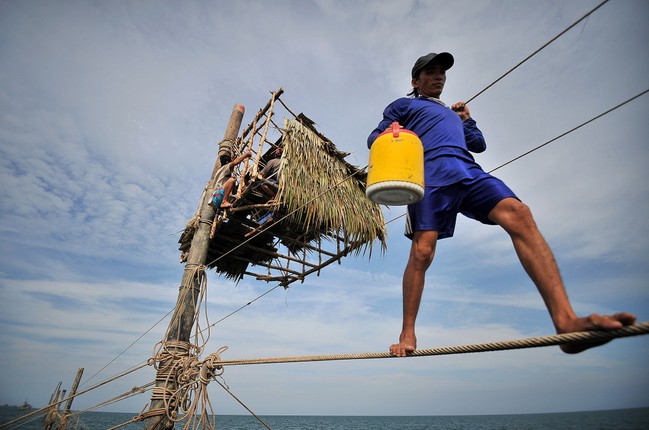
(25, 406)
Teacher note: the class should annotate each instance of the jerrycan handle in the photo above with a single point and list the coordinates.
(395, 129)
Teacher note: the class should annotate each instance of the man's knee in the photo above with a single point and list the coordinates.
(422, 249)
(513, 215)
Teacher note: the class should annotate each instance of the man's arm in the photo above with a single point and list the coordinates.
(240, 158)
(394, 112)
(472, 135)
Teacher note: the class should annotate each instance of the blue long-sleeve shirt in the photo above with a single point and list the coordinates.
(446, 139)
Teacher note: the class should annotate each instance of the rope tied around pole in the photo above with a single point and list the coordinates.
(190, 397)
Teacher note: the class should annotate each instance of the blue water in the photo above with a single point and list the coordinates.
(621, 419)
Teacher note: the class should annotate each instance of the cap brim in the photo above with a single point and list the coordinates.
(444, 59)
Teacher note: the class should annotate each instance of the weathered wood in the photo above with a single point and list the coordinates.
(262, 111)
(331, 260)
(268, 111)
(251, 207)
(73, 390)
(304, 245)
(282, 256)
(269, 115)
(50, 417)
(284, 280)
(65, 416)
(270, 266)
(182, 321)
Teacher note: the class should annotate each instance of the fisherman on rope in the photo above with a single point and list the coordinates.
(455, 183)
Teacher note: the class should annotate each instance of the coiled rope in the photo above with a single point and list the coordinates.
(533, 342)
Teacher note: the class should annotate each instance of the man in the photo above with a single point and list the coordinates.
(224, 180)
(270, 173)
(455, 183)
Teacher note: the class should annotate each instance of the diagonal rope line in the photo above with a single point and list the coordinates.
(553, 139)
(539, 50)
(227, 390)
(127, 348)
(79, 393)
(571, 130)
(533, 342)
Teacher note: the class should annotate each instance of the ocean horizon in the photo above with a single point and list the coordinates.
(616, 419)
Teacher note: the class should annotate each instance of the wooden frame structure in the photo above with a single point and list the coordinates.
(281, 231)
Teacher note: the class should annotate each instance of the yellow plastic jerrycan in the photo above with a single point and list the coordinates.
(396, 171)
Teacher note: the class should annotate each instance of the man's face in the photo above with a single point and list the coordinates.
(431, 81)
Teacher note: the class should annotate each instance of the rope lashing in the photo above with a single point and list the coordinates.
(533, 342)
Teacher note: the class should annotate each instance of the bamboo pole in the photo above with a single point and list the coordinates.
(269, 115)
(263, 110)
(182, 321)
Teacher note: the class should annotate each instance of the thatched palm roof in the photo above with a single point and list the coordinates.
(322, 192)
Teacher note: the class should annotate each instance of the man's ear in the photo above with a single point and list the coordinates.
(414, 83)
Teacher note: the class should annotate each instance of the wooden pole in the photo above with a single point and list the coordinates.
(68, 405)
(183, 319)
(50, 416)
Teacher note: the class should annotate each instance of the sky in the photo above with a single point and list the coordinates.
(110, 116)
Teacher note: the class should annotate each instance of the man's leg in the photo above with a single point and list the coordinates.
(422, 251)
(538, 261)
(227, 190)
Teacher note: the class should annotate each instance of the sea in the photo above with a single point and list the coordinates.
(619, 419)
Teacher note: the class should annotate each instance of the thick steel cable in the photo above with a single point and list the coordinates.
(533, 342)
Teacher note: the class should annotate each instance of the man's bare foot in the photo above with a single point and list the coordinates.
(594, 322)
(407, 344)
(225, 205)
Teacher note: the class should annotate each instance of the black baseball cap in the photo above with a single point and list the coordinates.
(445, 59)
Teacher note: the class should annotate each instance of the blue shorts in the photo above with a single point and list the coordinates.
(473, 198)
(217, 198)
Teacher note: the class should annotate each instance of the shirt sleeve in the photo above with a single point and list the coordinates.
(474, 139)
(395, 111)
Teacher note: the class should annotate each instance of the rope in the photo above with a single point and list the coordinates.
(227, 390)
(127, 348)
(551, 140)
(572, 129)
(79, 393)
(181, 378)
(186, 378)
(539, 50)
(533, 342)
(133, 392)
